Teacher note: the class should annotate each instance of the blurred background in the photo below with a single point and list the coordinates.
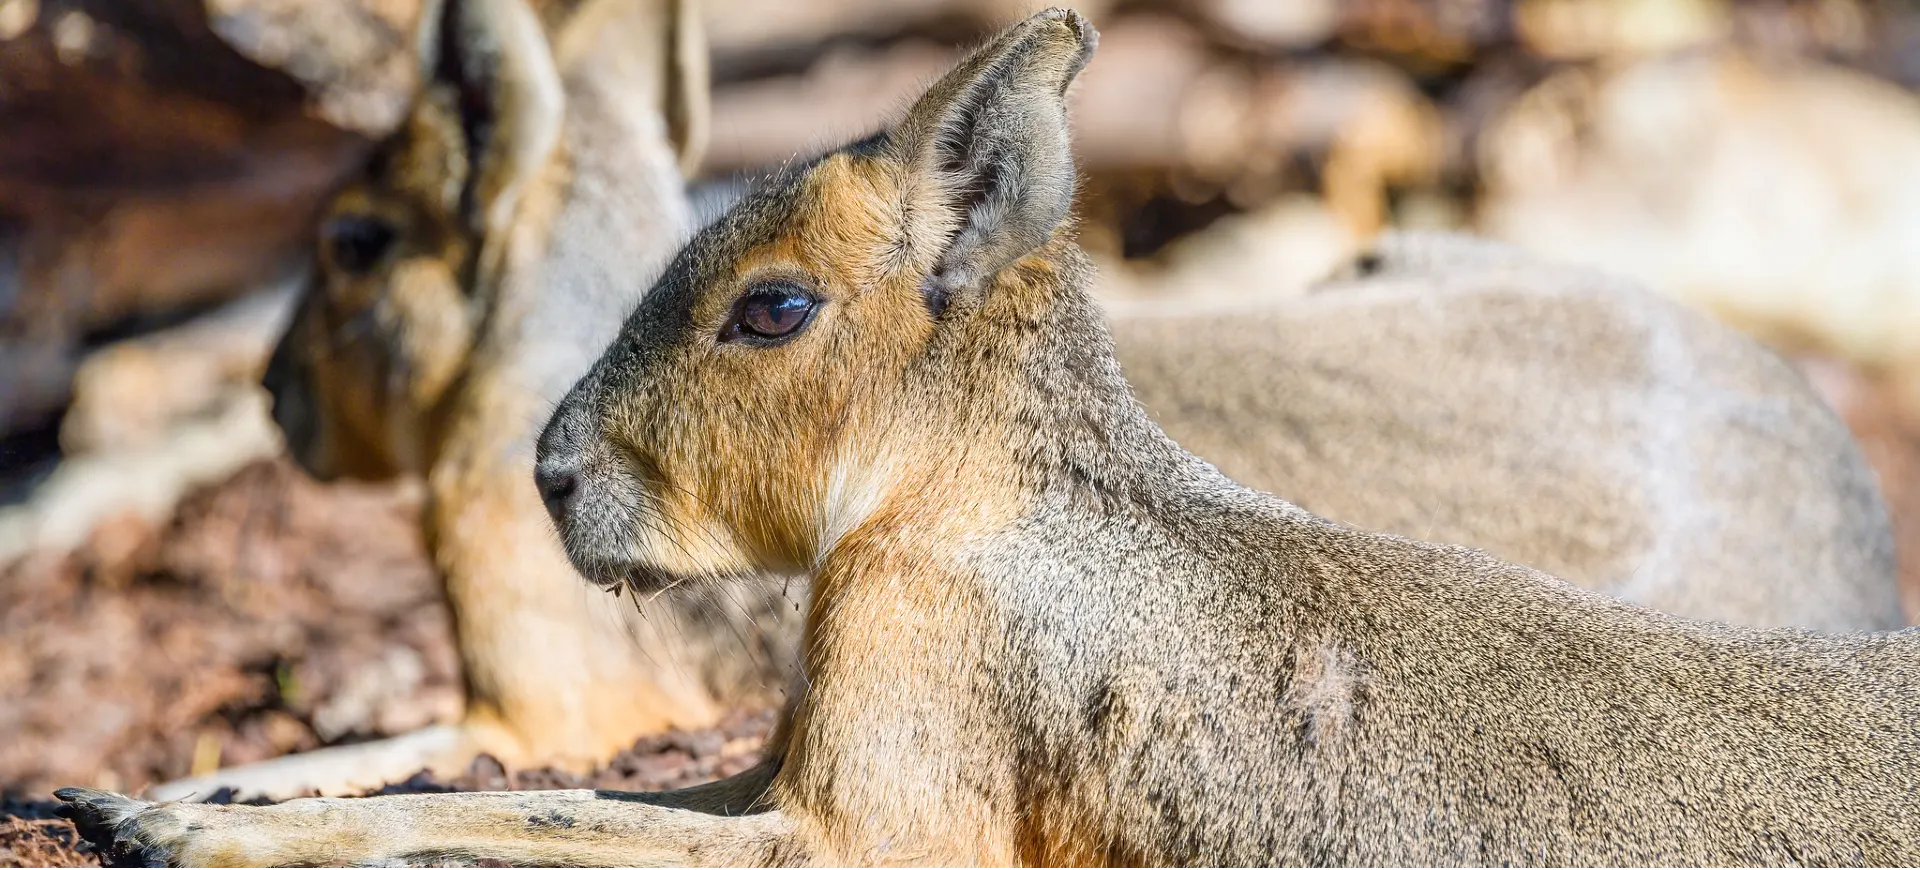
(175, 595)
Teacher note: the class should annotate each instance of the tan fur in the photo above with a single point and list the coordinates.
(426, 364)
(1540, 451)
(1465, 392)
(1052, 636)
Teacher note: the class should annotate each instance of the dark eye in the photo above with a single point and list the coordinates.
(356, 243)
(770, 313)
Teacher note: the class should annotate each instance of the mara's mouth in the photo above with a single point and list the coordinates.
(646, 580)
(643, 579)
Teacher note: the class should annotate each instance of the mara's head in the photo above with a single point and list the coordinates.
(780, 376)
(410, 255)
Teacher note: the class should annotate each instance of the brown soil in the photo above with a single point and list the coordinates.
(271, 615)
(274, 615)
(31, 837)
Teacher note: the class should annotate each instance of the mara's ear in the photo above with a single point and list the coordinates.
(688, 96)
(495, 55)
(989, 164)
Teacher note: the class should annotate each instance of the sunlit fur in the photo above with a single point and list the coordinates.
(1395, 401)
(1045, 634)
(682, 465)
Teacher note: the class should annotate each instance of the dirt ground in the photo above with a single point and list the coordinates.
(270, 615)
(273, 615)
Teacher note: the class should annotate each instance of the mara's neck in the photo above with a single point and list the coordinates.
(1055, 449)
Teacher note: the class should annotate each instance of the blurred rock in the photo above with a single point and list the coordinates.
(379, 698)
(1277, 251)
(1807, 28)
(1887, 426)
(848, 93)
(144, 482)
(132, 393)
(1784, 198)
(1585, 29)
(747, 34)
(1291, 25)
(153, 418)
(157, 158)
(1155, 96)
(1128, 103)
(1425, 35)
(1375, 130)
(356, 58)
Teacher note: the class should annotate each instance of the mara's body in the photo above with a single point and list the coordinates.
(1249, 684)
(1461, 391)
(1447, 390)
(1044, 633)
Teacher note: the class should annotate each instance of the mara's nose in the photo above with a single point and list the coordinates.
(557, 488)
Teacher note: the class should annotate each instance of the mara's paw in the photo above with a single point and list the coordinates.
(127, 831)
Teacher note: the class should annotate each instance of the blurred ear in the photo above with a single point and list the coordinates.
(494, 54)
(653, 51)
(688, 99)
(989, 163)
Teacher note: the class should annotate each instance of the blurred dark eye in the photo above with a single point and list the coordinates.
(357, 243)
(771, 312)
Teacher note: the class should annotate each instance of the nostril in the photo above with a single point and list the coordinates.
(556, 489)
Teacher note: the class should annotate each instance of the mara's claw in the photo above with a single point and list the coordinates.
(126, 831)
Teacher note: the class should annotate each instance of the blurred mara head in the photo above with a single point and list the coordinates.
(385, 324)
(762, 400)
(410, 255)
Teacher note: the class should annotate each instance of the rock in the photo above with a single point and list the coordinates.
(1274, 252)
(1155, 97)
(1585, 29)
(131, 393)
(745, 32)
(1291, 25)
(846, 94)
(165, 155)
(355, 58)
(145, 483)
(1783, 198)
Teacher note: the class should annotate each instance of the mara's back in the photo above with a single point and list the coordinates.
(1351, 698)
(1462, 392)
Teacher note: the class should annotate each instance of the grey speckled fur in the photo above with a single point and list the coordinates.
(1462, 391)
(1044, 633)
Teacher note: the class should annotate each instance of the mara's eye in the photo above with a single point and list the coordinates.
(356, 243)
(770, 312)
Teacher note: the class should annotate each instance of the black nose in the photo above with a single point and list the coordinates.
(557, 487)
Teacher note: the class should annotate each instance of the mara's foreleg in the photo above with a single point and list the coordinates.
(715, 824)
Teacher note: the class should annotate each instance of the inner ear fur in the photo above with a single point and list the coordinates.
(989, 162)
